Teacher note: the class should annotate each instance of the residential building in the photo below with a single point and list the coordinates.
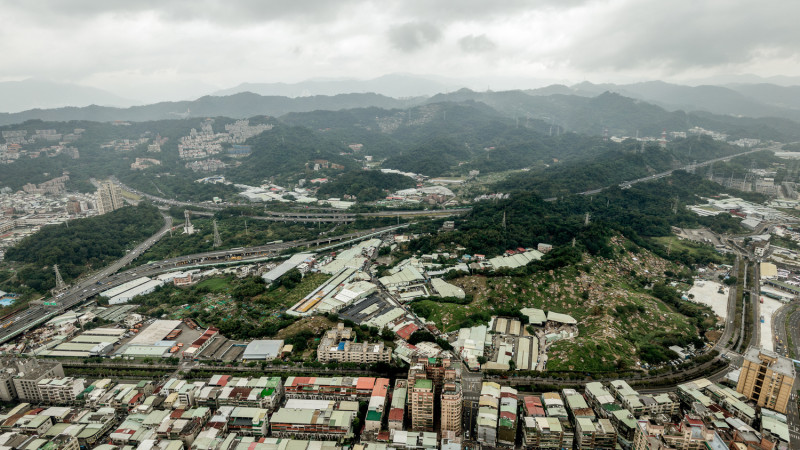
(767, 379)
(452, 402)
(25, 376)
(109, 197)
(422, 405)
(690, 434)
(591, 435)
(337, 345)
(59, 390)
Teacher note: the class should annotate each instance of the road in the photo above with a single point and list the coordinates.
(779, 328)
(793, 417)
(303, 216)
(108, 277)
(85, 287)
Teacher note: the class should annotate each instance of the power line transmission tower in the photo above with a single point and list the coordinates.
(217, 240)
(586, 219)
(60, 285)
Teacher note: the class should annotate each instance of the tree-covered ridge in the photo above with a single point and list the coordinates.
(627, 162)
(525, 219)
(286, 151)
(82, 245)
(365, 185)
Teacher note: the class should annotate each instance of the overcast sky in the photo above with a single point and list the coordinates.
(133, 46)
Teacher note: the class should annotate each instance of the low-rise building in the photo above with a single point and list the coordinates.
(337, 345)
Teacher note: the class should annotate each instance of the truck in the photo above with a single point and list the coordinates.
(762, 318)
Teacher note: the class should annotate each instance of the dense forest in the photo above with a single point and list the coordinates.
(82, 245)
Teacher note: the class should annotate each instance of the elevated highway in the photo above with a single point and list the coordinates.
(107, 278)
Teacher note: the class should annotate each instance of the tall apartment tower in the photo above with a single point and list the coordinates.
(767, 379)
(452, 407)
(422, 405)
(109, 197)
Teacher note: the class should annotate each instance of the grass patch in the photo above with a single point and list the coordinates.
(214, 284)
(701, 253)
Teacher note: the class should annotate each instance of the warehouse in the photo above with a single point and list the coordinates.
(157, 331)
(286, 266)
(113, 292)
(142, 289)
(263, 350)
(446, 289)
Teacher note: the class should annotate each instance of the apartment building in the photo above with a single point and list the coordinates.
(337, 345)
(422, 405)
(767, 379)
(452, 403)
(109, 197)
(59, 390)
(20, 378)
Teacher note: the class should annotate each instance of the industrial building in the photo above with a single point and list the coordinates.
(263, 350)
(125, 292)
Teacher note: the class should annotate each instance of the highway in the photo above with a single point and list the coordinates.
(304, 216)
(85, 287)
(627, 184)
(342, 217)
(108, 278)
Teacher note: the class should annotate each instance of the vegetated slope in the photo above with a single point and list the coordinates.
(449, 138)
(625, 163)
(285, 151)
(621, 115)
(366, 186)
(82, 245)
(620, 321)
(524, 220)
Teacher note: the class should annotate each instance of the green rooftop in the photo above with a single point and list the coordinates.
(423, 384)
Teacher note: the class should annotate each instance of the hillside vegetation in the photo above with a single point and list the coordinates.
(81, 245)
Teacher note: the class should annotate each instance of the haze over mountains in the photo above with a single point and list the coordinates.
(35, 99)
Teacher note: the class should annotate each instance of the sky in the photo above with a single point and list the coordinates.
(163, 48)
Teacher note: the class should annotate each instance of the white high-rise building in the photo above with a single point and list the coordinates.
(109, 197)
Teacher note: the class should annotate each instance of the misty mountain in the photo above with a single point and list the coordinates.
(621, 115)
(236, 106)
(392, 85)
(748, 100)
(30, 94)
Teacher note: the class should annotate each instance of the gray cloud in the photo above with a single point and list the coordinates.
(412, 36)
(476, 44)
(677, 36)
(117, 44)
(231, 12)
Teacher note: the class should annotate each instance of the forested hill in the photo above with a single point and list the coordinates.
(643, 211)
(622, 116)
(624, 163)
(82, 245)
